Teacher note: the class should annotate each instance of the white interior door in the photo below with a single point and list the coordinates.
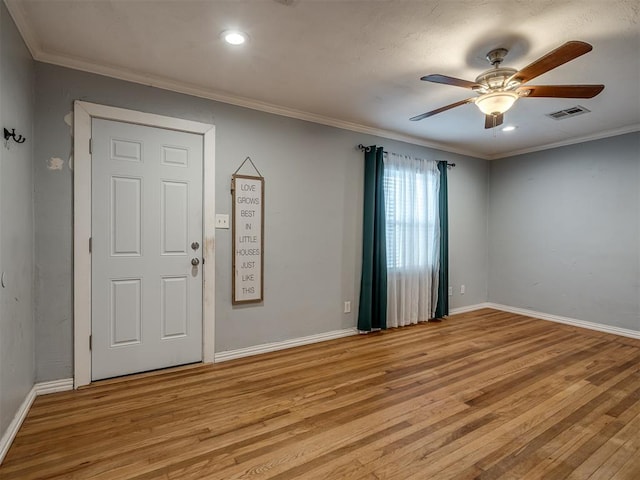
(146, 230)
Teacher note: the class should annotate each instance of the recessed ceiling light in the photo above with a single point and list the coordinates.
(234, 37)
(509, 128)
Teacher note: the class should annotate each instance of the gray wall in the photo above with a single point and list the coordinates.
(17, 355)
(468, 236)
(313, 214)
(564, 231)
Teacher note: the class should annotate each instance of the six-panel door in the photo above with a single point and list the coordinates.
(146, 221)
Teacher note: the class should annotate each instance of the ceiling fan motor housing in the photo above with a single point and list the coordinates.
(495, 57)
(497, 79)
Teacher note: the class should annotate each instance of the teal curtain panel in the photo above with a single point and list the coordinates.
(372, 313)
(442, 306)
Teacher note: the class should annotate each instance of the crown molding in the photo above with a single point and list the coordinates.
(196, 91)
(571, 141)
(17, 12)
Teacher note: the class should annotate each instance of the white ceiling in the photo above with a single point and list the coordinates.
(356, 64)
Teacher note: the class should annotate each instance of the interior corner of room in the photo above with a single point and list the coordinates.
(551, 233)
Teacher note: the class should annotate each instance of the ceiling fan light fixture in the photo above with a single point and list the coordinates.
(496, 103)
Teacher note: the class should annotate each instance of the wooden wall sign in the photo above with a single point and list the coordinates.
(248, 239)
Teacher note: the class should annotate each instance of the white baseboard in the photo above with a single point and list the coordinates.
(272, 347)
(625, 332)
(54, 386)
(14, 426)
(468, 308)
(38, 389)
(599, 327)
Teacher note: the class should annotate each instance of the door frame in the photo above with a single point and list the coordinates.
(84, 112)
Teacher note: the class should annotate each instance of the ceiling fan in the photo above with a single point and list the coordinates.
(500, 87)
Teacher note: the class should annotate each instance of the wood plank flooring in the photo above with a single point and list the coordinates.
(484, 395)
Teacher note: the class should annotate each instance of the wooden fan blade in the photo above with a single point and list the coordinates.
(491, 121)
(441, 109)
(551, 60)
(560, 91)
(456, 82)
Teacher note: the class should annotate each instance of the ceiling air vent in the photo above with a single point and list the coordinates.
(568, 112)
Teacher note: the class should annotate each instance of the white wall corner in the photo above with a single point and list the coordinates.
(274, 346)
(38, 389)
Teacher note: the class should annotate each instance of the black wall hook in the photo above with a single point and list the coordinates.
(12, 134)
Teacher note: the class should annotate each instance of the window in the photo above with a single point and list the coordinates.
(412, 238)
(411, 189)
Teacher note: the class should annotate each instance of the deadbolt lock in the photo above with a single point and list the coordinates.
(195, 246)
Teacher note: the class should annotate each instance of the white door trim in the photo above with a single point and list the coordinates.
(83, 113)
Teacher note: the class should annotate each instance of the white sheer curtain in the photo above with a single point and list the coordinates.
(413, 238)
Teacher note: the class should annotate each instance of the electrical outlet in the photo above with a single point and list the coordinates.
(222, 220)
(462, 289)
(450, 291)
(347, 307)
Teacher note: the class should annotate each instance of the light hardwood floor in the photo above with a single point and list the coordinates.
(483, 395)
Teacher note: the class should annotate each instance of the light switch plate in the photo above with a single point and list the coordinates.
(222, 220)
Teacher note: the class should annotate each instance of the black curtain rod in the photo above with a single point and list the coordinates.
(368, 149)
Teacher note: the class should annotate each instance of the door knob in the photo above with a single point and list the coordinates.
(195, 261)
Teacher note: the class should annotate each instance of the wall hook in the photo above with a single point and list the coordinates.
(12, 134)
